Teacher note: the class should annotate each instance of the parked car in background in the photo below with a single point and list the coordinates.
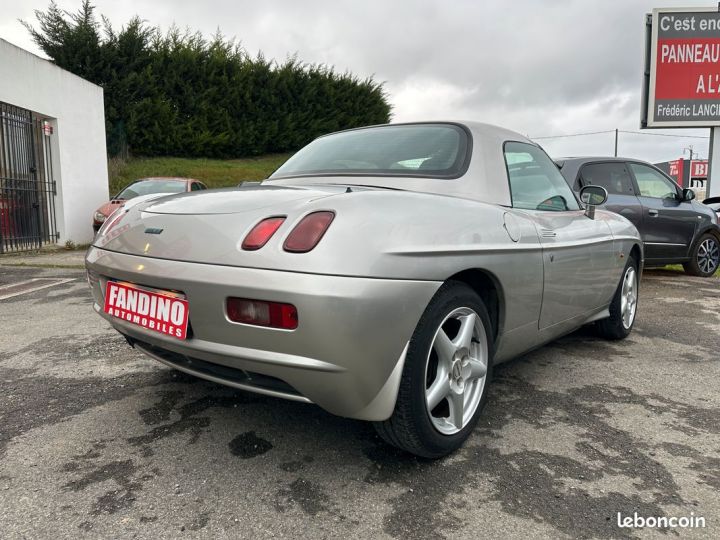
(714, 203)
(675, 228)
(145, 186)
(379, 273)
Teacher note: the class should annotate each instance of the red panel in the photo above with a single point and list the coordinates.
(676, 170)
(699, 168)
(679, 80)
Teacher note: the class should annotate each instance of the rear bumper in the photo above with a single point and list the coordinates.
(346, 355)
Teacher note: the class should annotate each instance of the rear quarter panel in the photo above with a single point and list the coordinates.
(417, 236)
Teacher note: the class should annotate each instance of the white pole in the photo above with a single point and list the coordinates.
(713, 181)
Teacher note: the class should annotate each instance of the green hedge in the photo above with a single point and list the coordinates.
(178, 94)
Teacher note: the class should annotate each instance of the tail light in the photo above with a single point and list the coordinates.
(306, 234)
(261, 233)
(261, 313)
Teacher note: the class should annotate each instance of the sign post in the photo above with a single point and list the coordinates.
(682, 76)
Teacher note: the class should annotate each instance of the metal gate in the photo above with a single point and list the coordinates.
(27, 189)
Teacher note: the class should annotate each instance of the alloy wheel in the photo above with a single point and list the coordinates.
(708, 255)
(455, 371)
(628, 297)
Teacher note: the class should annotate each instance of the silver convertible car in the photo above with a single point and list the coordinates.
(379, 273)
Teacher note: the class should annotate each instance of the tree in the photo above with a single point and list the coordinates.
(180, 94)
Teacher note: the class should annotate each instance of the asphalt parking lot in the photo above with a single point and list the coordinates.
(98, 441)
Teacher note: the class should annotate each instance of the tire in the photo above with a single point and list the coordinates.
(622, 310)
(451, 353)
(705, 258)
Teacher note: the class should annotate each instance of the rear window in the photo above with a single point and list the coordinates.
(146, 187)
(424, 150)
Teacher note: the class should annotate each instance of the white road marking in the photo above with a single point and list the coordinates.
(42, 283)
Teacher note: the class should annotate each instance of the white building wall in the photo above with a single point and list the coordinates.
(75, 107)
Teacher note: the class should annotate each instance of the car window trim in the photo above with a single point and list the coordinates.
(461, 171)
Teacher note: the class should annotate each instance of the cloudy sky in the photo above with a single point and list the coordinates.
(542, 68)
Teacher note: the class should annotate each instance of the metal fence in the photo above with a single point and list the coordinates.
(27, 188)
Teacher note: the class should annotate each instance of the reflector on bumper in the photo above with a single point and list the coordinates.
(261, 313)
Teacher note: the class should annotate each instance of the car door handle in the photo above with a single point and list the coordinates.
(653, 213)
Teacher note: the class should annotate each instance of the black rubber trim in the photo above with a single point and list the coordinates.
(225, 373)
(462, 168)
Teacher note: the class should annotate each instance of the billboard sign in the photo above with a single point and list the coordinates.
(683, 68)
(676, 170)
(699, 168)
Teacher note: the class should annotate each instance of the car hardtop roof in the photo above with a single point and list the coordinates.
(595, 158)
(485, 178)
(476, 128)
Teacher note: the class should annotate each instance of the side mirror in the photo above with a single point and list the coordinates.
(687, 195)
(591, 196)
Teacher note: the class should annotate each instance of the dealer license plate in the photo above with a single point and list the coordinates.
(164, 312)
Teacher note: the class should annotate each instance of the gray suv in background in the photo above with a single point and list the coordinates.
(674, 227)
